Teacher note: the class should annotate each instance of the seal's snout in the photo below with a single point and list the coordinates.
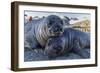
(58, 29)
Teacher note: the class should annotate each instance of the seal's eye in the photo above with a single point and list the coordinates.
(50, 24)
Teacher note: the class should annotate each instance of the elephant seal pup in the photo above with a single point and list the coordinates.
(71, 40)
(37, 32)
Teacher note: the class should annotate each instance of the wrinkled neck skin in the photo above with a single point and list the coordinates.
(42, 33)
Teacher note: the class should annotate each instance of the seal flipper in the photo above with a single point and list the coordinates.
(80, 51)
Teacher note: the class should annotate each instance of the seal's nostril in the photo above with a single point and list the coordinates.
(60, 29)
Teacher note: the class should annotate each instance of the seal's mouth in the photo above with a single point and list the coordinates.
(58, 33)
(55, 31)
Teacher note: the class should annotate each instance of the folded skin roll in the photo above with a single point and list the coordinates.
(37, 32)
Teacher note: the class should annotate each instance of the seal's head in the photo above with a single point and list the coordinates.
(54, 47)
(55, 25)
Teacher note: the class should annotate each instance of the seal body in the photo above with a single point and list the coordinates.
(71, 40)
(37, 32)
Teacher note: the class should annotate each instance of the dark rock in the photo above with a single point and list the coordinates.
(38, 55)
